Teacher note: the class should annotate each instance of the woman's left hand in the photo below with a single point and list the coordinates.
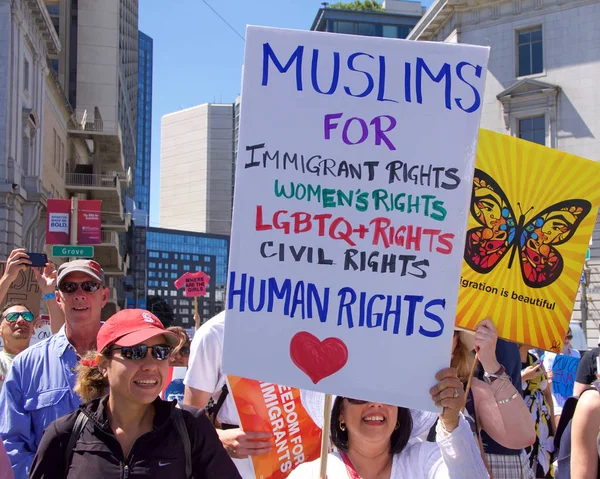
(448, 394)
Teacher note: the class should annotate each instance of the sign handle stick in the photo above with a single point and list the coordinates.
(325, 437)
(196, 316)
(74, 220)
(468, 388)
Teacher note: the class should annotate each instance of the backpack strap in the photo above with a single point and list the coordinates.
(185, 437)
(213, 410)
(565, 418)
(80, 423)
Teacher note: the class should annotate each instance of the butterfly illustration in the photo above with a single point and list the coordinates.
(535, 239)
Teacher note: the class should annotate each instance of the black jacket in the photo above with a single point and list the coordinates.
(159, 453)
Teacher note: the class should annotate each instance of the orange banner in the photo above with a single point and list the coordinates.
(265, 407)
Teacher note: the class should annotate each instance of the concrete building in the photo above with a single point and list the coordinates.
(97, 69)
(27, 37)
(395, 20)
(544, 63)
(196, 168)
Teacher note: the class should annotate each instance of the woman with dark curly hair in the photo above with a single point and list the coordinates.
(374, 440)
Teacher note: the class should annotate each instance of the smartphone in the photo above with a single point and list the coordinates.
(37, 259)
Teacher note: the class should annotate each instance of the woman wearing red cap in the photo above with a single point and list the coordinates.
(130, 432)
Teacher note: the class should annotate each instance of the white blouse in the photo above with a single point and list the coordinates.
(453, 455)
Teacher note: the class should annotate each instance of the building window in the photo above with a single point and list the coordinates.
(530, 51)
(366, 29)
(390, 31)
(344, 27)
(533, 129)
(25, 75)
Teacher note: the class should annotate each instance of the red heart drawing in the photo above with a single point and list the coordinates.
(318, 359)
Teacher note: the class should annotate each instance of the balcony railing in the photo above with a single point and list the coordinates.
(106, 180)
(83, 121)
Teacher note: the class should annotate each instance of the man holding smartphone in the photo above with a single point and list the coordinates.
(39, 386)
(17, 322)
(45, 273)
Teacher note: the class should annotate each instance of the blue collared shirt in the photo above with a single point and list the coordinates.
(37, 390)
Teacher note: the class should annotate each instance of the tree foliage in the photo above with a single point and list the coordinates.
(363, 5)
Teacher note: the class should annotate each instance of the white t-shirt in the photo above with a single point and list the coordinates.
(5, 363)
(454, 455)
(205, 373)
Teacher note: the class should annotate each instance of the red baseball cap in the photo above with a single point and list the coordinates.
(129, 327)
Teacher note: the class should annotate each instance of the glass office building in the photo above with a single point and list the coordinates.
(136, 283)
(144, 132)
(171, 254)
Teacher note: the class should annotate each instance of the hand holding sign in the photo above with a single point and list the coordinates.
(449, 394)
(486, 337)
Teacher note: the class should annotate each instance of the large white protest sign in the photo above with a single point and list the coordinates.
(353, 180)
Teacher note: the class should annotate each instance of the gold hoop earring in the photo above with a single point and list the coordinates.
(342, 426)
(397, 426)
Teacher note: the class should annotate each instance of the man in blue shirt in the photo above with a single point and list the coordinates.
(39, 386)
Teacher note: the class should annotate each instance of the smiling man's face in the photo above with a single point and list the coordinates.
(82, 306)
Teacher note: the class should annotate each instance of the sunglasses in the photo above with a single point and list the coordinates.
(185, 351)
(356, 402)
(160, 352)
(69, 287)
(569, 337)
(26, 315)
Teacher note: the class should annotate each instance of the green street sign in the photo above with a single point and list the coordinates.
(73, 251)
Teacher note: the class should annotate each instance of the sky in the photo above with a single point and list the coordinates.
(198, 57)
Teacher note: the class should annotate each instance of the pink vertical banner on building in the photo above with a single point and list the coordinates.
(89, 225)
(58, 224)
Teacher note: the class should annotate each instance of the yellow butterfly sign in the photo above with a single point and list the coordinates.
(532, 213)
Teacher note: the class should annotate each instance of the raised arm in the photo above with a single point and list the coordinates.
(47, 283)
(499, 406)
(508, 422)
(17, 261)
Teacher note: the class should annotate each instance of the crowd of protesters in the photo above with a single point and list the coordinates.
(86, 402)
